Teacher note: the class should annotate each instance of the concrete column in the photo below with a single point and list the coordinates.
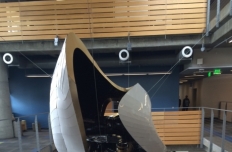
(6, 128)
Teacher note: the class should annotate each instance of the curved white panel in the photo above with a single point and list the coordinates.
(65, 128)
(135, 114)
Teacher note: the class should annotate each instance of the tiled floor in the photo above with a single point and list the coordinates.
(28, 142)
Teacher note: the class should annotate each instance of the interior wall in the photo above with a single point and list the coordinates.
(216, 89)
(163, 95)
(210, 90)
(29, 96)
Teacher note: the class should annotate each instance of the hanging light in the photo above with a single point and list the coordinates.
(56, 39)
(124, 58)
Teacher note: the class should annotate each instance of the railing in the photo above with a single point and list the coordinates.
(174, 126)
(217, 11)
(32, 132)
(100, 18)
(180, 127)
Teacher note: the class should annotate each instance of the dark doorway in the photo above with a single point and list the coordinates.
(194, 100)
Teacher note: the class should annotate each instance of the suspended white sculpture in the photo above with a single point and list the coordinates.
(78, 98)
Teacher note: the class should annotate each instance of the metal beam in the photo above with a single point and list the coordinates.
(211, 131)
(218, 12)
(37, 134)
(223, 132)
(202, 126)
(224, 13)
(104, 45)
(19, 135)
(230, 7)
(222, 31)
(207, 18)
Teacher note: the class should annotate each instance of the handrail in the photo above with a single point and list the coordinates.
(172, 108)
(32, 115)
(194, 108)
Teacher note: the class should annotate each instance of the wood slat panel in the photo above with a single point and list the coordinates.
(136, 3)
(149, 13)
(191, 138)
(177, 113)
(148, 18)
(161, 1)
(193, 142)
(162, 122)
(104, 18)
(54, 12)
(148, 8)
(177, 126)
(176, 117)
(180, 134)
(178, 130)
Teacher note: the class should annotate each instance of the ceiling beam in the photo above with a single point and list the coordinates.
(106, 45)
(223, 32)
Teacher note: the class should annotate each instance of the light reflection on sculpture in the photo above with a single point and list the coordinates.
(79, 94)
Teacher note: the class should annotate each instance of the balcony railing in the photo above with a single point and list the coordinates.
(208, 128)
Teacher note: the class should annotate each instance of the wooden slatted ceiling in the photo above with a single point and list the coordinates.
(177, 127)
(100, 18)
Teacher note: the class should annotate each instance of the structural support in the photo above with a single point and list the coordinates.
(230, 7)
(6, 126)
(202, 126)
(211, 131)
(218, 12)
(223, 132)
(222, 31)
(19, 135)
(50, 133)
(37, 134)
(101, 45)
(208, 17)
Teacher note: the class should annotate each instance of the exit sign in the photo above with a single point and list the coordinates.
(217, 71)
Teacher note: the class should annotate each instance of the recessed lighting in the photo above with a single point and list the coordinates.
(113, 74)
(183, 80)
(38, 76)
(159, 73)
(191, 76)
(135, 74)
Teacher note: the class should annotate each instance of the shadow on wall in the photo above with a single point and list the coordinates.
(29, 96)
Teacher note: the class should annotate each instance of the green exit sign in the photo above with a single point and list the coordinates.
(209, 74)
(217, 71)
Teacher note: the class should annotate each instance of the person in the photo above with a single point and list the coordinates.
(186, 103)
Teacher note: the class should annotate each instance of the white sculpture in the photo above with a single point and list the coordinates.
(78, 98)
